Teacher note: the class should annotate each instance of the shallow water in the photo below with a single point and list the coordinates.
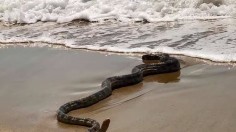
(196, 28)
(208, 39)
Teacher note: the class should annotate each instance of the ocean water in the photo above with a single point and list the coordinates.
(196, 28)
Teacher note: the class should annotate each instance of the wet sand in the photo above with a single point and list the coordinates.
(36, 81)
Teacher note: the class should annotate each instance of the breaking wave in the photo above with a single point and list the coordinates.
(32, 11)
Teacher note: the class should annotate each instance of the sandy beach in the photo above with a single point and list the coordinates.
(36, 81)
(56, 51)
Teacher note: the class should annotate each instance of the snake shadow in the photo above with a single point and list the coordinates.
(173, 77)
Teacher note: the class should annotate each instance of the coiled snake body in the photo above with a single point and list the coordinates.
(166, 65)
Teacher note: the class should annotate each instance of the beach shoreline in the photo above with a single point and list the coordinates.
(35, 81)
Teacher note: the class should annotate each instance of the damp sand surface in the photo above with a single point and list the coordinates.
(35, 82)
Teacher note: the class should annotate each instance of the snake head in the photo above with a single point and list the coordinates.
(105, 125)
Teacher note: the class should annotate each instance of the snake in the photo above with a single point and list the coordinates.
(166, 64)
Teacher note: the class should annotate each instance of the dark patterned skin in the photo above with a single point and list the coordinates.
(166, 65)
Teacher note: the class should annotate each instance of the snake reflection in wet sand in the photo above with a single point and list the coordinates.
(166, 64)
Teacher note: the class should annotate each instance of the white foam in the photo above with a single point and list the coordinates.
(31, 11)
(212, 39)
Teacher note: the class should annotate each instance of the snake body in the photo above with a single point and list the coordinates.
(166, 64)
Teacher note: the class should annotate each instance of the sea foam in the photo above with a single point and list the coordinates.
(31, 11)
(211, 39)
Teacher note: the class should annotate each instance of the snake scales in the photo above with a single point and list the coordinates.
(166, 64)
